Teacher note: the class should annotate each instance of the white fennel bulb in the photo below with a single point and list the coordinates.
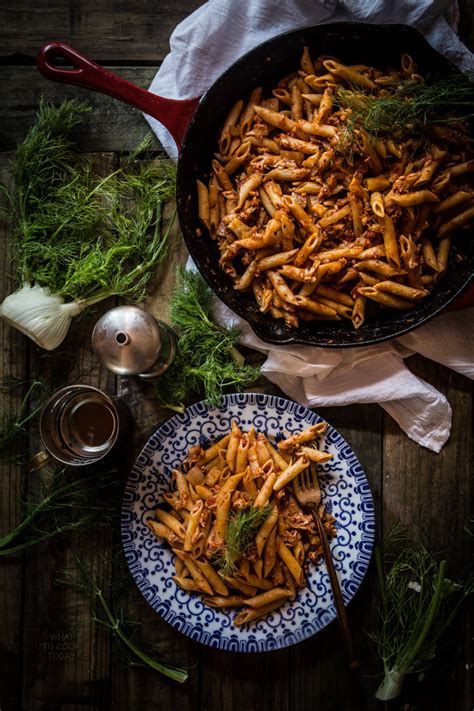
(42, 316)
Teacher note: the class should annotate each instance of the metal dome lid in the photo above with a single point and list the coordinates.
(129, 341)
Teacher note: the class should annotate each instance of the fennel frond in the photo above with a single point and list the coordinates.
(207, 359)
(418, 602)
(410, 107)
(241, 530)
(14, 423)
(77, 235)
(66, 502)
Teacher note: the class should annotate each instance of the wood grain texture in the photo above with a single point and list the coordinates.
(13, 364)
(431, 494)
(262, 680)
(319, 666)
(66, 655)
(110, 125)
(106, 30)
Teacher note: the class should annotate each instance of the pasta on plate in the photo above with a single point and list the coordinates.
(239, 536)
(322, 220)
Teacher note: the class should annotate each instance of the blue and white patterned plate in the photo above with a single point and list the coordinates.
(345, 492)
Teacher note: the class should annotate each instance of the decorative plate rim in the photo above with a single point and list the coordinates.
(178, 621)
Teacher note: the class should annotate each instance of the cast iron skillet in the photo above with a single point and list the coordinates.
(195, 125)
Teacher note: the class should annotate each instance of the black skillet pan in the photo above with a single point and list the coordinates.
(195, 125)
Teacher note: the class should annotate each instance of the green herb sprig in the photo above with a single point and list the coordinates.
(240, 534)
(109, 612)
(207, 359)
(65, 503)
(14, 423)
(83, 236)
(410, 107)
(418, 603)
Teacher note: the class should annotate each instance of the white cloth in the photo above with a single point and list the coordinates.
(318, 377)
(203, 46)
(207, 42)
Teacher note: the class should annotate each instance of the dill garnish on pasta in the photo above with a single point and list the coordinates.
(338, 194)
(239, 536)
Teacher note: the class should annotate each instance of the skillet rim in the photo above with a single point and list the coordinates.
(375, 330)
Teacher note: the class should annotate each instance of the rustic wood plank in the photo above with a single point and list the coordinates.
(432, 495)
(14, 364)
(111, 30)
(319, 666)
(129, 32)
(55, 615)
(466, 22)
(140, 687)
(254, 682)
(110, 126)
(108, 30)
(66, 656)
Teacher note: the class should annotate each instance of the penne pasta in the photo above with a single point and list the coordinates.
(233, 446)
(456, 222)
(212, 577)
(305, 436)
(393, 302)
(415, 198)
(254, 614)
(314, 455)
(300, 191)
(186, 583)
(267, 597)
(407, 292)
(196, 574)
(229, 601)
(266, 529)
(172, 523)
(444, 248)
(192, 526)
(291, 472)
(291, 562)
(270, 567)
(358, 312)
(348, 74)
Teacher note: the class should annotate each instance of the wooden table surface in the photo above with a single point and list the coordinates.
(50, 662)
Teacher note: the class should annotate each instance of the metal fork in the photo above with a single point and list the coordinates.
(308, 494)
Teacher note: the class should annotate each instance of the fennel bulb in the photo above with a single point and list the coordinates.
(77, 236)
(418, 603)
(42, 316)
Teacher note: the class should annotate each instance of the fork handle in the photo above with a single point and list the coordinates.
(336, 589)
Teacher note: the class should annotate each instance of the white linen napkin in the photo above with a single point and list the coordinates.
(318, 377)
(203, 46)
(207, 42)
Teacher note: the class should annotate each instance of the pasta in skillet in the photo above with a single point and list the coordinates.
(241, 482)
(317, 218)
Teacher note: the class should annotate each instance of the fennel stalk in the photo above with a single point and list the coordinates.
(418, 602)
(108, 611)
(14, 423)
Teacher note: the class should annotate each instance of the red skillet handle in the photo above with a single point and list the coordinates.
(173, 114)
